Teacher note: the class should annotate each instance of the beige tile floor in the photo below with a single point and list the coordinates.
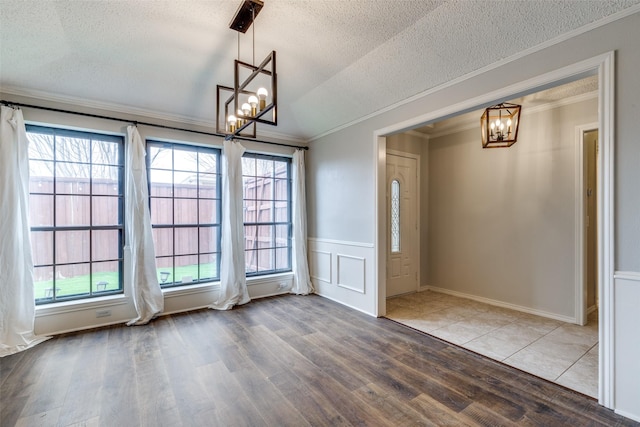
(564, 353)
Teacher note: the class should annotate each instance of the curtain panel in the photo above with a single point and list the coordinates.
(147, 295)
(233, 280)
(17, 306)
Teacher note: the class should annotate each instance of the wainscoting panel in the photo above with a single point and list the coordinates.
(320, 265)
(627, 351)
(351, 282)
(351, 272)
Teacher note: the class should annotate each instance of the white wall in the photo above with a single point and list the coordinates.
(342, 190)
(502, 220)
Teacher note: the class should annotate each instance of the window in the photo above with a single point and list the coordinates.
(395, 216)
(185, 212)
(267, 213)
(76, 213)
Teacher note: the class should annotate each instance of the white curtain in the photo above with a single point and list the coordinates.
(17, 306)
(301, 280)
(233, 281)
(147, 296)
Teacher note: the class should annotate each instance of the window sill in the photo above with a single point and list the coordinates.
(80, 305)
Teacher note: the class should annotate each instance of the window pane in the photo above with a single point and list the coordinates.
(282, 236)
(208, 211)
(161, 183)
(72, 178)
(282, 189)
(40, 210)
(209, 239)
(249, 166)
(250, 209)
(186, 241)
(185, 160)
(161, 157)
(266, 261)
(395, 216)
(264, 188)
(72, 210)
(106, 210)
(72, 280)
(186, 270)
(106, 180)
(282, 211)
(41, 176)
(161, 211)
(163, 241)
(208, 162)
(43, 281)
(264, 168)
(185, 184)
(265, 237)
(164, 267)
(42, 247)
(264, 211)
(282, 259)
(69, 149)
(105, 153)
(185, 211)
(105, 245)
(251, 261)
(208, 185)
(40, 146)
(208, 266)
(106, 276)
(72, 246)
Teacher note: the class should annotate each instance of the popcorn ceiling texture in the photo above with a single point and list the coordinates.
(337, 60)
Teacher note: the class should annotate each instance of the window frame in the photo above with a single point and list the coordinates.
(274, 223)
(54, 229)
(198, 225)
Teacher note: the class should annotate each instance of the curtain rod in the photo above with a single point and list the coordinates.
(136, 122)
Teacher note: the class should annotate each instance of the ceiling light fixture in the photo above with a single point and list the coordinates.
(499, 125)
(253, 97)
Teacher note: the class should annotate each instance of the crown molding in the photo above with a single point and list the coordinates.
(80, 103)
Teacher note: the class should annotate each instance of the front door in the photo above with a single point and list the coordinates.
(403, 247)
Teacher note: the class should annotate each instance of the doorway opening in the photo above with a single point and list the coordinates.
(601, 66)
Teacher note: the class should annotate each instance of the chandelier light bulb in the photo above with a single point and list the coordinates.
(240, 118)
(262, 96)
(253, 101)
(246, 109)
(232, 120)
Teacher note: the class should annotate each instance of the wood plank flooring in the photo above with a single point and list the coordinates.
(281, 361)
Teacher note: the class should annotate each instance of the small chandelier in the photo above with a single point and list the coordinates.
(252, 99)
(499, 125)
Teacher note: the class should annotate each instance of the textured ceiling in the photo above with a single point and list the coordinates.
(338, 60)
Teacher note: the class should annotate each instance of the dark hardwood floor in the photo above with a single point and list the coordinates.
(281, 361)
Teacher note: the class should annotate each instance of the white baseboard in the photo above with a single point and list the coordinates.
(502, 304)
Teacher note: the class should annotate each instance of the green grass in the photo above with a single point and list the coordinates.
(80, 285)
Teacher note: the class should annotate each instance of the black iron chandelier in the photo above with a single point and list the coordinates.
(253, 97)
(499, 125)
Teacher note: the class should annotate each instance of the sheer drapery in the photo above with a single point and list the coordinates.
(147, 296)
(301, 279)
(233, 280)
(17, 306)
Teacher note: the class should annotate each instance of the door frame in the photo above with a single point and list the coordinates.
(580, 233)
(604, 67)
(416, 157)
